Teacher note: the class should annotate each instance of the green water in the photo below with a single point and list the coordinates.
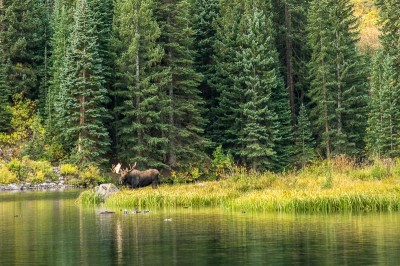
(47, 228)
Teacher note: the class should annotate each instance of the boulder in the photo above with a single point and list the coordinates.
(105, 190)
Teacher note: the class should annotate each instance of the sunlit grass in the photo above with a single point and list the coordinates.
(337, 186)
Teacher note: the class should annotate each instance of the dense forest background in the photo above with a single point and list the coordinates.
(274, 84)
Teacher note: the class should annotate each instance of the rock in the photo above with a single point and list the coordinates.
(105, 190)
(14, 187)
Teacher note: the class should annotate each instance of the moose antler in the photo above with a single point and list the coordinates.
(116, 168)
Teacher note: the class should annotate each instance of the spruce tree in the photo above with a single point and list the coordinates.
(384, 119)
(228, 122)
(290, 20)
(259, 78)
(253, 115)
(184, 118)
(204, 14)
(23, 45)
(337, 77)
(390, 28)
(141, 98)
(61, 21)
(103, 17)
(82, 97)
(5, 111)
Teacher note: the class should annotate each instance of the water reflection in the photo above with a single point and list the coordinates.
(49, 229)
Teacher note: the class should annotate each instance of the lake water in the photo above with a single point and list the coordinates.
(47, 228)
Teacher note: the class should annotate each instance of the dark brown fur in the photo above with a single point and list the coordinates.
(136, 178)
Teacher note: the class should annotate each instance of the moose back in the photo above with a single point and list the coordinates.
(135, 178)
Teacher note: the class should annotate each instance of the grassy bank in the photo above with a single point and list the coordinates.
(337, 186)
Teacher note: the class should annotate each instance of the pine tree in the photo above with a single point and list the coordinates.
(140, 83)
(103, 17)
(5, 112)
(185, 121)
(290, 19)
(23, 46)
(253, 115)
(304, 142)
(259, 78)
(61, 21)
(204, 14)
(337, 78)
(390, 27)
(227, 126)
(82, 97)
(384, 119)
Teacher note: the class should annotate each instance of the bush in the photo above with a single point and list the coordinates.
(69, 171)
(221, 163)
(91, 175)
(6, 176)
(42, 169)
(18, 168)
(36, 177)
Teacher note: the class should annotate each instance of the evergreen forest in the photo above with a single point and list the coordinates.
(172, 84)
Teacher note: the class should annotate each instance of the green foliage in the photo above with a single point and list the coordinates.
(61, 26)
(221, 163)
(89, 197)
(91, 176)
(304, 142)
(337, 74)
(36, 147)
(183, 112)
(181, 71)
(31, 171)
(6, 176)
(256, 129)
(22, 122)
(40, 169)
(204, 15)
(82, 97)
(68, 169)
(140, 91)
(383, 121)
(18, 168)
(22, 39)
(379, 171)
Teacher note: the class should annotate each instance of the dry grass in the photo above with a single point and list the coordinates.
(336, 186)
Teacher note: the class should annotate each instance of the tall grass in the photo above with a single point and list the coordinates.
(336, 186)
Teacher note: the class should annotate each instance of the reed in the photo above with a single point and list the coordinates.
(88, 197)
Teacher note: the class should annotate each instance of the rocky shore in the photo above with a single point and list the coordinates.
(49, 185)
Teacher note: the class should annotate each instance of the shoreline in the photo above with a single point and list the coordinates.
(14, 187)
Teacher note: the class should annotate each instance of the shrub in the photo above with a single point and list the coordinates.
(36, 177)
(91, 175)
(221, 162)
(18, 168)
(69, 171)
(6, 176)
(42, 169)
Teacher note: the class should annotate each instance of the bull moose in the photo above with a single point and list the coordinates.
(135, 178)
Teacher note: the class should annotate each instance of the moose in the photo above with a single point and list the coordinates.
(135, 178)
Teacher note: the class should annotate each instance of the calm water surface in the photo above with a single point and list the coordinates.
(47, 228)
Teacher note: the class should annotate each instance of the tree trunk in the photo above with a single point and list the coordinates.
(171, 153)
(289, 62)
(326, 120)
(138, 88)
